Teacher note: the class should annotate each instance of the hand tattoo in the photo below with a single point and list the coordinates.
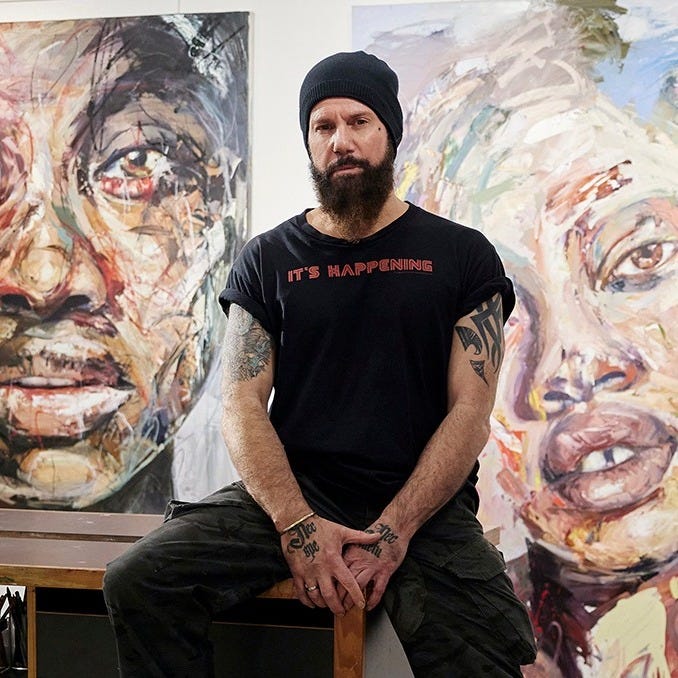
(387, 535)
(301, 540)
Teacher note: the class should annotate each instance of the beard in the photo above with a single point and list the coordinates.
(354, 201)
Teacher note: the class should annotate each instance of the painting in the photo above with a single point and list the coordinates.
(552, 126)
(123, 200)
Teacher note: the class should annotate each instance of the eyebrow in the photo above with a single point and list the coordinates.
(588, 189)
(321, 116)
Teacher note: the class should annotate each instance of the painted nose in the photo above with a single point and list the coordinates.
(567, 377)
(580, 376)
(48, 269)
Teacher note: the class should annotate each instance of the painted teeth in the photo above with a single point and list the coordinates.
(51, 382)
(601, 460)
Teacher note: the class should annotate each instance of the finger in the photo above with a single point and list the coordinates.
(316, 597)
(331, 598)
(301, 592)
(360, 537)
(365, 584)
(374, 596)
(343, 595)
(349, 582)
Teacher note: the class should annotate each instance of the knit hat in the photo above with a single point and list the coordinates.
(355, 75)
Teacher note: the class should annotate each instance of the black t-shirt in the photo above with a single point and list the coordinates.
(363, 334)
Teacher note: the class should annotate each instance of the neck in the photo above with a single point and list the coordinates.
(332, 225)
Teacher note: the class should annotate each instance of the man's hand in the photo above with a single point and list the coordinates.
(373, 564)
(313, 550)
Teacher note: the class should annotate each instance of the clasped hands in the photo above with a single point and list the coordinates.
(336, 567)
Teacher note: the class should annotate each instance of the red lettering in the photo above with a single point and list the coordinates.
(333, 271)
(313, 272)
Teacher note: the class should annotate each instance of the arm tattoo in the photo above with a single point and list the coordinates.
(488, 335)
(248, 346)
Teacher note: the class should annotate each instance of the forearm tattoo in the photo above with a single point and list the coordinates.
(302, 540)
(388, 536)
(248, 348)
(488, 336)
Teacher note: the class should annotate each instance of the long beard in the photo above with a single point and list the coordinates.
(354, 201)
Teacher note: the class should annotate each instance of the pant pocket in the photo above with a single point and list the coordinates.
(486, 594)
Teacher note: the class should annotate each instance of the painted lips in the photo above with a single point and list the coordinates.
(58, 387)
(608, 459)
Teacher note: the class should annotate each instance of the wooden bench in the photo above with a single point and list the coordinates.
(69, 550)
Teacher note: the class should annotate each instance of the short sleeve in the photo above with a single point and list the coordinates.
(485, 276)
(245, 286)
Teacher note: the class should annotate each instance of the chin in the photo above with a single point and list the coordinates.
(639, 540)
(73, 477)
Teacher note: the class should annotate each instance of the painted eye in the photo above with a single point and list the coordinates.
(12, 166)
(642, 266)
(133, 174)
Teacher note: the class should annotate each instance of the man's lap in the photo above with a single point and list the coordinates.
(451, 582)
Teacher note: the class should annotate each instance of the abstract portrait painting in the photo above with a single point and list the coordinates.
(553, 128)
(123, 200)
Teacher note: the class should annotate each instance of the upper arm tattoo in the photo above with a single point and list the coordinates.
(487, 337)
(248, 348)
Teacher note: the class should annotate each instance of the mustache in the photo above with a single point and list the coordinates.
(346, 161)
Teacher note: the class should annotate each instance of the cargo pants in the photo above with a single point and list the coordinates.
(450, 602)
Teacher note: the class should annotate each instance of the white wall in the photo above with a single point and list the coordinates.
(288, 37)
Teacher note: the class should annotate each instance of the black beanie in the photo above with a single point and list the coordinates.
(355, 75)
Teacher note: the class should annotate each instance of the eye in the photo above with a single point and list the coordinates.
(12, 165)
(642, 267)
(132, 174)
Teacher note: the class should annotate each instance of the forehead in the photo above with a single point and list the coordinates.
(41, 62)
(339, 106)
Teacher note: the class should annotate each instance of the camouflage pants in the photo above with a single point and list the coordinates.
(450, 602)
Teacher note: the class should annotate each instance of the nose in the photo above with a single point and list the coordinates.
(342, 141)
(574, 366)
(47, 269)
(579, 377)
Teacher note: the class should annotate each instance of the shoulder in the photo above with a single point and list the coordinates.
(446, 230)
(274, 238)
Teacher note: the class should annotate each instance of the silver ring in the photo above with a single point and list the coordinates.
(310, 588)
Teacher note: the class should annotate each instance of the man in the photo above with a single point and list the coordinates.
(122, 186)
(380, 328)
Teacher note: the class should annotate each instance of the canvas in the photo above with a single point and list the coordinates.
(552, 127)
(123, 174)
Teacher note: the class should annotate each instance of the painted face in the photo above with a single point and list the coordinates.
(585, 217)
(587, 402)
(113, 238)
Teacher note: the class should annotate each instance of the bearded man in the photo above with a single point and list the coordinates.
(378, 326)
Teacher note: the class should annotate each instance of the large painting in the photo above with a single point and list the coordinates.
(123, 199)
(552, 127)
